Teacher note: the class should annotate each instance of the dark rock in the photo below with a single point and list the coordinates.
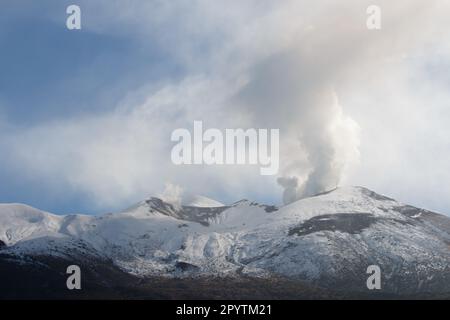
(184, 266)
(269, 209)
(352, 223)
(375, 195)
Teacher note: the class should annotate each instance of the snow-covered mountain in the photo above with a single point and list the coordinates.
(327, 240)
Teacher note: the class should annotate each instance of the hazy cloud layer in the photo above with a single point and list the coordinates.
(353, 106)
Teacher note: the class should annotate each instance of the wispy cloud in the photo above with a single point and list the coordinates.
(349, 102)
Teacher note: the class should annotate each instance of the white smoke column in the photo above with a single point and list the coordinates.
(327, 142)
(330, 146)
(292, 92)
(172, 194)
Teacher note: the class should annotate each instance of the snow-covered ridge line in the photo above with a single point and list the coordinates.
(319, 237)
(19, 221)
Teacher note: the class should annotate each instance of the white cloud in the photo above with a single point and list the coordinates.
(310, 68)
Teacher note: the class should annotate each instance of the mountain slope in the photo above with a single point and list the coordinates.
(327, 241)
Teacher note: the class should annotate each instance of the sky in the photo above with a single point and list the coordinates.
(86, 115)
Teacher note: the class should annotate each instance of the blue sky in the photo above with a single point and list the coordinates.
(86, 115)
(49, 73)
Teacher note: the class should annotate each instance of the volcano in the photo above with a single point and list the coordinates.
(317, 247)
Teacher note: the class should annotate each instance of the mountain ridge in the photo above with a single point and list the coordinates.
(327, 240)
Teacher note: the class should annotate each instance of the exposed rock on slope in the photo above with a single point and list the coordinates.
(325, 241)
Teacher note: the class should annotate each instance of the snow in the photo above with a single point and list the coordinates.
(201, 202)
(21, 222)
(153, 237)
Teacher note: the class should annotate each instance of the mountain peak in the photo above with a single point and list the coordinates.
(343, 230)
(345, 192)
